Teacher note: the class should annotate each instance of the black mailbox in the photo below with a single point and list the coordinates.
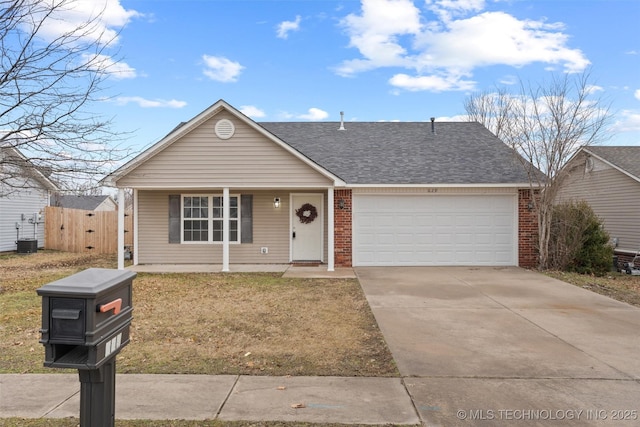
(86, 317)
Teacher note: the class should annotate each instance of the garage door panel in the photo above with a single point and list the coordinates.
(422, 220)
(385, 220)
(384, 239)
(423, 241)
(485, 239)
(503, 239)
(434, 230)
(443, 220)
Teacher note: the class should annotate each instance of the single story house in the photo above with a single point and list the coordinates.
(24, 193)
(222, 188)
(608, 178)
(87, 203)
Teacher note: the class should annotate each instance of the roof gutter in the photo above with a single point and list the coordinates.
(453, 185)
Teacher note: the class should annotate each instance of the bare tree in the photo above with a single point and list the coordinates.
(49, 80)
(545, 124)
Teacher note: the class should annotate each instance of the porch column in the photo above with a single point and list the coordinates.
(330, 231)
(121, 228)
(135, 245)
(226, 212)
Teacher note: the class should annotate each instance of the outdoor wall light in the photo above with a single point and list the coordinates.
(530, 206)
(276, 202)
(341, 203)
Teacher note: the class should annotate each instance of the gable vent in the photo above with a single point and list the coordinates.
(225, 129)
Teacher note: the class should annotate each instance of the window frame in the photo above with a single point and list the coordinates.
(211, 219)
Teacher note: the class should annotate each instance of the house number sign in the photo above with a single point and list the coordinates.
(113, 344)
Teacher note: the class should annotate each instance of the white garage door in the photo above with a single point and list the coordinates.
(434, 230)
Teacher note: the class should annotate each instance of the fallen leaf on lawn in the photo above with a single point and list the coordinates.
(281, 388)
(298, 405)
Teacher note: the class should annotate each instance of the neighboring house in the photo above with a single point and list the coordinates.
(87, 203)
(24, 193)
(608, 178)
(223, 189)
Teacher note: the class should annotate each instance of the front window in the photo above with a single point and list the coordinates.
(202, 219)
(196, 224)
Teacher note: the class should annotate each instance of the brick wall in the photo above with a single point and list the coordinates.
(342, 222)
(624, 257)
(527, 231)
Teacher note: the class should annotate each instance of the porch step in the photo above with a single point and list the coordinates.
(306, 264)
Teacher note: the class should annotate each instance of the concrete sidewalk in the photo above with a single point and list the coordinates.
(287, 270)
(349, 400)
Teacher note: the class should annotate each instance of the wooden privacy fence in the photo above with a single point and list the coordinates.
(77, 230)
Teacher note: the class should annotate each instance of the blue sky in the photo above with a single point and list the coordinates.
(375, 60)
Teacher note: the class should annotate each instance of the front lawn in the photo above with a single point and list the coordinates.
(619, 286)
(244, 323)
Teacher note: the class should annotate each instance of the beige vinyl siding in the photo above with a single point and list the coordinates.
(612, 195)
(200, 159)
(271, 229)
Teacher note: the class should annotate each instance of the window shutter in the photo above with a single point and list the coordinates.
(174, 218)
(246, 212)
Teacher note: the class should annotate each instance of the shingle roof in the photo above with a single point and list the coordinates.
(404, 152)
(87, 203)
(626, 158)
(12, 156)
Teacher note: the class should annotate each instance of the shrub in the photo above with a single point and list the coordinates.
(578, 241)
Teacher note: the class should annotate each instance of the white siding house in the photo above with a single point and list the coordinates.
(23, 198)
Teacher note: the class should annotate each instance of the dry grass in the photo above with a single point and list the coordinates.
(259, 324)
(619, 286)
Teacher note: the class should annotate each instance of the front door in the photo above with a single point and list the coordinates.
(307, 221)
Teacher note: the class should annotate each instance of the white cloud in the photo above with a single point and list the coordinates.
(432, 83)
(252, 111)
(376, 34)
(440, 51)
(456, 118)
(314, 114)
(221, 69)
(447, 9)
(80, 23)
(105, 18)
(629, 121)
(497, 38)
(637, 94)
(509, 80)
(593, 89)
(150, 103)
(117, 70)
(285, 27)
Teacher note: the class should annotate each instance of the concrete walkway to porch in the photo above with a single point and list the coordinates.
(287, 270)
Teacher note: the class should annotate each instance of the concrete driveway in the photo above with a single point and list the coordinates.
(494, 346)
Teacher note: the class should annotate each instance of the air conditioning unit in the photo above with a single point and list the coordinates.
(27, 246)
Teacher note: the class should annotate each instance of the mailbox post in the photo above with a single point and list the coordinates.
(85, 323)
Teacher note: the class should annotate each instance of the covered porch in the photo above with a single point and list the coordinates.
(238, 229)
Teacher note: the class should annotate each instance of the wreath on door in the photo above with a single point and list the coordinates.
(307, 213)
